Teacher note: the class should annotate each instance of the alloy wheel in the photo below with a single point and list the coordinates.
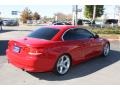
(63, 64)
(106, 49)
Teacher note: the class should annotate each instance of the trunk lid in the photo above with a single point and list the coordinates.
(25, 45)
(34, 42)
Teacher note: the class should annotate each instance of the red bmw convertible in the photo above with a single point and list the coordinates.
(55, 48)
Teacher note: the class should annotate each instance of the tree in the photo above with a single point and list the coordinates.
(89, 11)
(60, 16)
(47, 19)
(26, 15)
(63, 17)
(69, 17)
(36, 16)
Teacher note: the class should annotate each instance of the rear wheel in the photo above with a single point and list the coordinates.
(63, 65)
(106, 49)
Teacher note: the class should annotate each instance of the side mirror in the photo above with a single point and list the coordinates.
(96, 36)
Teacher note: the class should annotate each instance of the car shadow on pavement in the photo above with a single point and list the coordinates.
(4, 31)
(3, 47)
(82, 69)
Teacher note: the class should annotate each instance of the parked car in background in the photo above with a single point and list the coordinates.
(112, 22)
(106, 23)
(29, 21)
(55, 48)
(62, 23)
(84, 22)
(10, 22)
(58, 23)
(99, 24)
(1, 22)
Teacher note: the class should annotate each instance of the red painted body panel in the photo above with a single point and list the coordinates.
(50, 50)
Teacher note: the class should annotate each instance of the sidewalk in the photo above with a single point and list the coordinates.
(114, 40)
(111, 37)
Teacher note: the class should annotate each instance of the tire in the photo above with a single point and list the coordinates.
(63, 65)
(106, 49)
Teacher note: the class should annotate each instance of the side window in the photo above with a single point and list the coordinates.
(76, 34)
(83, 33)
(70, 35)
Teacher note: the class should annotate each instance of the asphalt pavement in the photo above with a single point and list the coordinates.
(99, 70)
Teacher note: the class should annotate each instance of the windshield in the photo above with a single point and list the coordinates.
(44, 33)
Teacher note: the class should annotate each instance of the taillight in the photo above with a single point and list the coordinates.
(26, 49)
(35, 51)
(10, 43)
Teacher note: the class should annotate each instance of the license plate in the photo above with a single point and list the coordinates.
(16, 49)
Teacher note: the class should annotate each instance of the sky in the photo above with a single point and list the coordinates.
(45, 10)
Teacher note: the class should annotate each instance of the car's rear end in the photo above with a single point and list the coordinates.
(24, 56)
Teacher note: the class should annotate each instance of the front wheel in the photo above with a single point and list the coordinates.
(106, 49)
(63, 65)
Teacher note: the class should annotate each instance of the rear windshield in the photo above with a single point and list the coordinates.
(44, 33)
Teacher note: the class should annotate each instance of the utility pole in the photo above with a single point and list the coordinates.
(75, 11)
(56, 19)
(76, 14)
(94, 12)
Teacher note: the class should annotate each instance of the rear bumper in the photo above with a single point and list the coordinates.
(29, 63)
